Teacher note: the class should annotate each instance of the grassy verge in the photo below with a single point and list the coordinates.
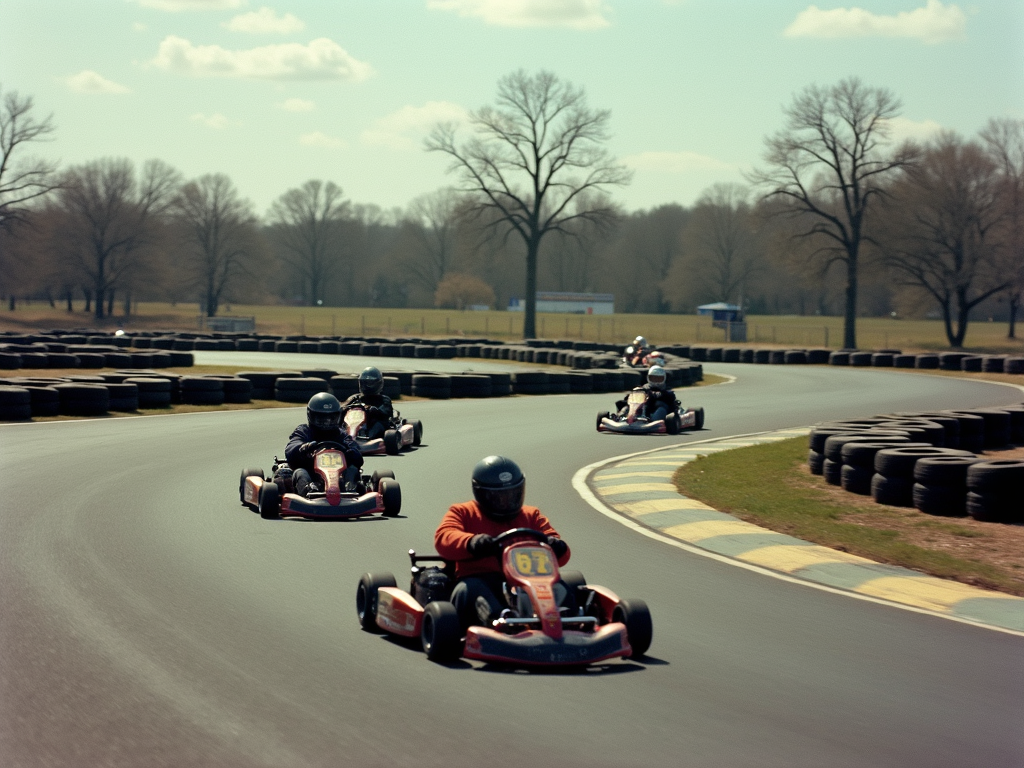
(769, 485)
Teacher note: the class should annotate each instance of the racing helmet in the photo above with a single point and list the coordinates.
(640, 342)
(499, 487)
(371, 382)
(657, 377)
(323, 412)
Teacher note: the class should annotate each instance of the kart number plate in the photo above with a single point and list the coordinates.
(532, 561)
(330, 460)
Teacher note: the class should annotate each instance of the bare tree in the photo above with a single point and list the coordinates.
(21, 181)
(307, 225)
(110, 218)
(530, 160)
(1004, 140)
(219, 232)
(832, 161)
(721, 242)
(939, 234)
(436, 218)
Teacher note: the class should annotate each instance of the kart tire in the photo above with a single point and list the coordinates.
(639, 628)
(269, 501)
(391, 492)
(602, 415)
(672, 423)
(392, 442)
(378, 475)
(248, 472)
(699, 412)
(366, 598)
(417, 431)
(441, 634)
(575, 582)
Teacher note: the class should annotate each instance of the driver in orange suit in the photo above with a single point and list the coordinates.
(467, 534)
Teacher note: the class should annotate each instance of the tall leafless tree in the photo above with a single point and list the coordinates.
(22, 180)
(111, 216)
(435, 217)
(219, 231)
(832, 160)
(939, 233)
(307, 224)
(1004, 140)
(531, 159)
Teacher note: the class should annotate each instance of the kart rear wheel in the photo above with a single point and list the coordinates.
(247, 472)
(699, 413)
(269, 501)
(366, 598)
(392, 493)
(441, 634)
(602, 415)
(417, 431)
(378, 475)
(575, 581)
(639, 629)
(672, 423)
(392, 441)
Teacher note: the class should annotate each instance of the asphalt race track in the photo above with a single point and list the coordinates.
(150, 620)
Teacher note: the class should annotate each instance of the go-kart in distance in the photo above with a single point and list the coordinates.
(373, 494)
(400, 435)
(630, 359)
(634, 420)
(603, 627)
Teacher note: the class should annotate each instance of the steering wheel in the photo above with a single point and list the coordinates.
(508, 537)
(323, 444)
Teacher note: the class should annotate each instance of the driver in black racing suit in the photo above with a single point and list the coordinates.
(661, 401)
(373, 401)
(323, 419)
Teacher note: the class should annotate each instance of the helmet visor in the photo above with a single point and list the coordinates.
(501, 503)
(324, 420)
(656, 379)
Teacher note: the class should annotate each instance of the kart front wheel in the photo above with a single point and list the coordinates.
(378, 475)
(247, 472)
(392, 441)
(366, 598)
(441, 634)
(602, 415)
(699, 413)
(639, 629)
(269, 501)
(417, 431)
(672, 423)
(392, 493)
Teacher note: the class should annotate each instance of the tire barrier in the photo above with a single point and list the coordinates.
(299, 389)
(81, 399)
(893, 481)
(940, 485)
(236, 388)
(15, 403)
(123, 396)
(152, 392)
(531, 383)
(45, 400)
(432, 385)
(994, 491)
(201, 390)
(470, 385)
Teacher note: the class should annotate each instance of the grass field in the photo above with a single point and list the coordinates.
(766, 330)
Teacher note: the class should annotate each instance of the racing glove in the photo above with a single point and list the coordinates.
(558, 546)
(306, 449)
(482, 545)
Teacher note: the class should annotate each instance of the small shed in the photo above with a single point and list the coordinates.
(728, 317)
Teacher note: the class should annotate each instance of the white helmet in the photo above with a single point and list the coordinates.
(640, 341)
(657, 377)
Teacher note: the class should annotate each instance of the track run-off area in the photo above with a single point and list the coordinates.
(148, 619)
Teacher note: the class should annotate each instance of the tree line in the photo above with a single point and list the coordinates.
(838, 220)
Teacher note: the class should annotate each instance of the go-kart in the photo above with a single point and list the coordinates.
(629, 358)
(376, 493)
(634, 420)
(400, 434)
(533, 631)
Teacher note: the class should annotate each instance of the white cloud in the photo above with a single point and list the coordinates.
(902, 129)
(297, 105)
(216, 121)
(88, 81)
(320, 59)
(403, 129)
(575, 14)
(176, 6)
(674, 162)
(320, 139)
(934, 23)
(265, 21)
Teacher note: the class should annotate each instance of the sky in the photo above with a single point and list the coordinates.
(276, 92)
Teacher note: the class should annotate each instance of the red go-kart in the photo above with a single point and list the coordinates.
(376, 493)
(631, 359)
(400, 435)
(604, 626)
(635, 422)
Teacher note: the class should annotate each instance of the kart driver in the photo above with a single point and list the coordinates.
(466, 536)
(661, 401)
(640, 350)
(323, 419)
(373, 401)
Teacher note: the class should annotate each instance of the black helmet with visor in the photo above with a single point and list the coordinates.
(499, 487)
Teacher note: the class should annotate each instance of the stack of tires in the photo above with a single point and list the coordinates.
(940, 484)
(298, 389)
(893, 481)
(152, 392)
(200, 390)
(432, 385)
(995, 491)
(470, 385)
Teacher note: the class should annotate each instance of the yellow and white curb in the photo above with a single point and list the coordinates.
(637, 490)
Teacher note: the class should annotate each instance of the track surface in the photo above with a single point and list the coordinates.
(149, 620)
